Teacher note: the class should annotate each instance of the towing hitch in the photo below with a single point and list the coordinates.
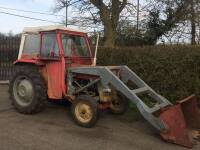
(182, 122)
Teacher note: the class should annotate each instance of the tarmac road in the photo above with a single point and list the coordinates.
(53, 129)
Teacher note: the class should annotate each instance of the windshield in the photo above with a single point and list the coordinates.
(74, 45)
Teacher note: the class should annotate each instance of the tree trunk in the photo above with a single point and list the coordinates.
(109, 17)
(193, 24)
(193, 33)
(109, 35)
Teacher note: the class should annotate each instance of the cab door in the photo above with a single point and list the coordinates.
(54, 68)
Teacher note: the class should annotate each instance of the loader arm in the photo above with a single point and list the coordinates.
(173, 121)
(108, 77)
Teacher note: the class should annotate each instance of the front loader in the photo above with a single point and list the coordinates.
(56, 63)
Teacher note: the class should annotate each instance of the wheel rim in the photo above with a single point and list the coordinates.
(83, 112)
(23, 91)
(117, 104)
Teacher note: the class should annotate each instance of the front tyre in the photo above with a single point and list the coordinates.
(85, 111)
(27, 90)
(119, 105)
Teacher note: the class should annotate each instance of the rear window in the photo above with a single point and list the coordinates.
(32, 44)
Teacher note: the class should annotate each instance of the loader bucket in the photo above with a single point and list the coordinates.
(182, 122)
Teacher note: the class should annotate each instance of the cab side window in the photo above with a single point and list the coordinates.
(74, 45)
(49, 46)
(32, 44)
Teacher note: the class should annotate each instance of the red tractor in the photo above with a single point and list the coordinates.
(56, 63)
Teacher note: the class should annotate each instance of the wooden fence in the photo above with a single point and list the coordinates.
(9, 47)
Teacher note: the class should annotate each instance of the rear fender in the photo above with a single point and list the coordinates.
(53, 74)
(23, 61)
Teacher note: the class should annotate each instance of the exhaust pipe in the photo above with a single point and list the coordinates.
(96, 50)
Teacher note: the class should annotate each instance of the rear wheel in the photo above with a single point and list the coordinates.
(27, 90)
(119, 105)
(85, 111)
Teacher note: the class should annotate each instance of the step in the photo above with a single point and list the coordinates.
(140, 90)
(158, 107)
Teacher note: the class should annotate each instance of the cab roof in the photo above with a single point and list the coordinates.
(48, 28)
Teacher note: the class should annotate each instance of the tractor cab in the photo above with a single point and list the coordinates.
(41, 44)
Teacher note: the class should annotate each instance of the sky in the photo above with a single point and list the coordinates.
(15, 24)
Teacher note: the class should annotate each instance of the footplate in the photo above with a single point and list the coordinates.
(182, 122)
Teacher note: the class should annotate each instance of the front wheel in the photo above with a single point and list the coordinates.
(85, 111)
(119, 105)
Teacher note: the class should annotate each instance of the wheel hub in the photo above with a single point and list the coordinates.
(23, 91)
(83, 112)
(116, 104)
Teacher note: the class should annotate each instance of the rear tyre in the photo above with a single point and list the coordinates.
(27, 90)
(119, 105)
(85, 111)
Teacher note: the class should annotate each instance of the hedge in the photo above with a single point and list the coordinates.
(173, 71)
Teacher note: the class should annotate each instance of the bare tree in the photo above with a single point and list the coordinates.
(102, 12)
(194, 17)
(185, 13)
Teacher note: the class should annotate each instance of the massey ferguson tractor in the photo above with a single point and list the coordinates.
(56, 63)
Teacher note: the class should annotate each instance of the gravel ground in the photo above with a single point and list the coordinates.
(53, 129)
